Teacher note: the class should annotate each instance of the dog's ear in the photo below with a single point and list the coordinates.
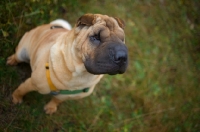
(120, 22)
(86, 20)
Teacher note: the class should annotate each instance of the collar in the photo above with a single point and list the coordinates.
(53, 27)
(55, 91)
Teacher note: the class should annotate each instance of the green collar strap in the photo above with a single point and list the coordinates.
(69, 92)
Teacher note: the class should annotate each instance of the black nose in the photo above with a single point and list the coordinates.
(120, 57)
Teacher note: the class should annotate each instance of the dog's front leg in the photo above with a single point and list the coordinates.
(23, 89)
(51, 107)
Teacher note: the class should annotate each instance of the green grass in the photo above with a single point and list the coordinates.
(158, 93)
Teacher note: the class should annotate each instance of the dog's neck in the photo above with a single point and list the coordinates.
(63, 61)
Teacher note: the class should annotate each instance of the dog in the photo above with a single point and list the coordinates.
(68, 63)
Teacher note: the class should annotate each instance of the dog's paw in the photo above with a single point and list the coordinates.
(16, 99)
(50, 109)
(11, 60)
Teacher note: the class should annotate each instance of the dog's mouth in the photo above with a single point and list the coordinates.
(104, 67)
(110, 69)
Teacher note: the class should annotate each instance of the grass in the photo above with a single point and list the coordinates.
(158, 93)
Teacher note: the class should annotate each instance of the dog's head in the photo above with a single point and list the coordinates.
(101, 44)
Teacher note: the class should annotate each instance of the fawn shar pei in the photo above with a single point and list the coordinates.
(68, 63)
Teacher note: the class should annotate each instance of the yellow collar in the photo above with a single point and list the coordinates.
(51, 85)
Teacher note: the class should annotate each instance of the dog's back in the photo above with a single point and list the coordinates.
(35, 38)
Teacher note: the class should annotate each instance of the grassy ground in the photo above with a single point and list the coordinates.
(160, 92)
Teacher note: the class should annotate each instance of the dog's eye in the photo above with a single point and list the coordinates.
(95, 39)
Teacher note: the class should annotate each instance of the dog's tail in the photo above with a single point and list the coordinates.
(62, 23)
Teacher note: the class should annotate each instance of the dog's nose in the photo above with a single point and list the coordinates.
(120, 57)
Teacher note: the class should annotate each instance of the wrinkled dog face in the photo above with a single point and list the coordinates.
(103, 49)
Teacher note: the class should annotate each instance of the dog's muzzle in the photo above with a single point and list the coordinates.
(110, 58)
